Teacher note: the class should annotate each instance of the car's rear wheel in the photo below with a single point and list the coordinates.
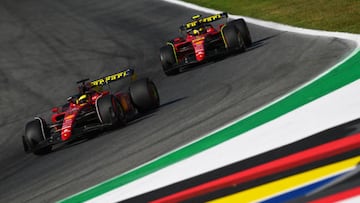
(110, 111)
(241, 25)
(233, 39)
(144, 95)
(36, 131)
(168, 60)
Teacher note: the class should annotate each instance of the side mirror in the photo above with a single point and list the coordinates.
(55, 110)
(178, 39)
(70, 99)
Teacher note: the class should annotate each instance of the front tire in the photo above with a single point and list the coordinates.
(36, 132)
(110, 111)
(144, 95)
(168, 60)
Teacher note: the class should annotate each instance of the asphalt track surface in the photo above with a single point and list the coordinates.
(45, 46)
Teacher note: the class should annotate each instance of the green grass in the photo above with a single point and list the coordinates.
(330, 15)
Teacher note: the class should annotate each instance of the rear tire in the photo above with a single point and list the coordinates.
(241, 25)
(168, 60)
(144, 95)
(36, 131)
(233, 39)
(110, 111)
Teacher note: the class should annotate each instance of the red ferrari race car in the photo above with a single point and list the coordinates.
(92, 109)
(201, 41)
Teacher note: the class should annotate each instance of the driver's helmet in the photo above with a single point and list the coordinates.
(198, 31)
(82, 99)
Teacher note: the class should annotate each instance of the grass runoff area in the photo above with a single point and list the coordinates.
(330, 15)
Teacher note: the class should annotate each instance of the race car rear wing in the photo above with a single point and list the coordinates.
(204, 20)
(116, 76)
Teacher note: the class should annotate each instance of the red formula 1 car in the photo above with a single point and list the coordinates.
(92, 109)
(201, 41)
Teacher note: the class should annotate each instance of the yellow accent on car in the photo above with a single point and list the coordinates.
(203, 20)
(195, 17)
(112, 77)
(211, 18)
(223, 37)
(82, 99)
(191, 24)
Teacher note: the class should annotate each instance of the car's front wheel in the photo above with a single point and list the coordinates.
(168, 60)
(36, 132)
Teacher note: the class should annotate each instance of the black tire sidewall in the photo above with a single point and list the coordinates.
(35, 131)
(233, 38)
(110, 111)
(168, 60)
(144, 95)
(241, 25)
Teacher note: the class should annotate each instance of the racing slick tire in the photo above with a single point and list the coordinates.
(241, 25)
(168, 60)
(36, 131)
(233, 39)
(144, 95)
(110, 111)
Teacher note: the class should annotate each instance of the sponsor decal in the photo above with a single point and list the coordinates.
(204, 20)
(113, 77)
